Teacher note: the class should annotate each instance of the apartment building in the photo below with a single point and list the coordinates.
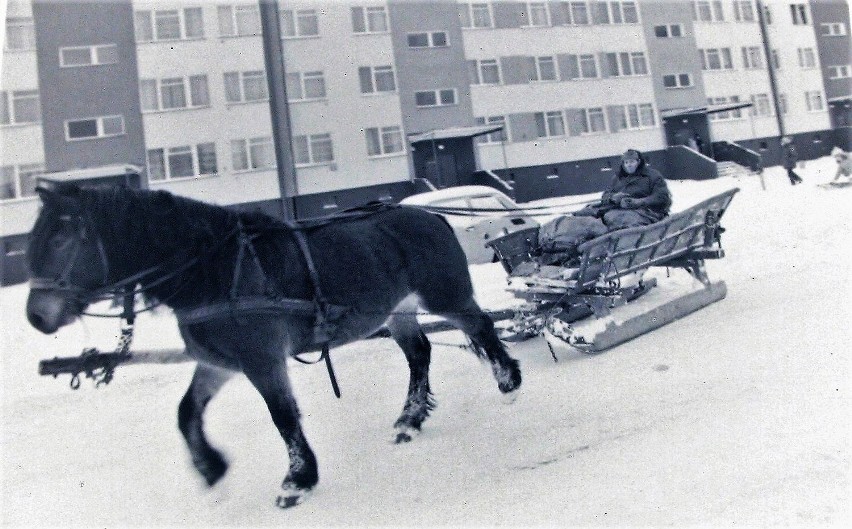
(540, 96)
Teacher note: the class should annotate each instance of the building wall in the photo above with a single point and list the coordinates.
(69, 93)
(834, 50)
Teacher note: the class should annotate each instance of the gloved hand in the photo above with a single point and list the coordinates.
(616, 198)
(630, 203)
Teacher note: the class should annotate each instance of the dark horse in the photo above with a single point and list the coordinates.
(188, 254)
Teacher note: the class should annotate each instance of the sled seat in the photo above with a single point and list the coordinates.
(684, 239)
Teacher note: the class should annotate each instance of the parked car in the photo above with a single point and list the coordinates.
(474, 229)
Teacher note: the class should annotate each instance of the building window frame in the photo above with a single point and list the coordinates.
(476, 15)
(637, 116)
(431, 38)
(20, 107)
(716, 59)
(310, 149)
(251, 86)
(147, 28)
(167, 158)
(840, 71)
(299, 23)
(537, 15)
(799, 14)
(12, 187)
(676, 81)
(500, 136)
(370, 20)
(313, 82)
(238, 20)
(624, 64)
(441, 97)
(807, 58)
(594, 121)
(815, 101)
(22, 30)
(192, 93)
(488, 72)
(551, 124)
(96, 55)
(708, 11)
(832, 29)
(384, 141)
(101, 126)
(252, 154)
(377, 80)
(726, 115)
(668, 31)
(744, 11)
(752, 58)
(762, 106)
(545, 65)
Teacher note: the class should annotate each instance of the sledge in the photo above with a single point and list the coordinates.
(837, 183)
(604, 299)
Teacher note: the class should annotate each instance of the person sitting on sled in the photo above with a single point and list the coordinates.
(844, 166)
(636, 196)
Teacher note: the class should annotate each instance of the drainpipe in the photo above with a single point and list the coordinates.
(767, 51)
(279, 111)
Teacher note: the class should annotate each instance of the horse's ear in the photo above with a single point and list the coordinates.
(47, 192)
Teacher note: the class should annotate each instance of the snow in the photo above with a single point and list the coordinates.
(735, 415)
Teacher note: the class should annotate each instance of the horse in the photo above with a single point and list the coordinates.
(379, 266)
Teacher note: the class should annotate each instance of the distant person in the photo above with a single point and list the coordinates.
(790, 158)
(637, 196)
(844, 166)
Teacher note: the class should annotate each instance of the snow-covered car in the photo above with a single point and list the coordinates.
(490, 214)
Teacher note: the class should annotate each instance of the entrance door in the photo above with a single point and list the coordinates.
(443, 173)
(690, 130)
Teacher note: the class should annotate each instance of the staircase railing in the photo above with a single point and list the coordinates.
(687, 164)
(490, 178)
(727, 151)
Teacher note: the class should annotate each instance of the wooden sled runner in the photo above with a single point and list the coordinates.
(609, 277)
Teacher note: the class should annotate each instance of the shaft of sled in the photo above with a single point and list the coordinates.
(616, 334)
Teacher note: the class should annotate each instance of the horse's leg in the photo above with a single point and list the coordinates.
(206, 382)
(486, 344)
(407, 333)
(269, 376)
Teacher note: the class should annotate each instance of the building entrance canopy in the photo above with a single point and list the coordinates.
(453, 133)
(706, 109)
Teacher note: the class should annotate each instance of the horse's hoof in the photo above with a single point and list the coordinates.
(212, 468)
(405, 434)
(291, 496)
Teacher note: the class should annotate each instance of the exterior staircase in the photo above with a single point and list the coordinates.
(733, 169)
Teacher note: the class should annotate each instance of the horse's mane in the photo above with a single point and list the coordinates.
(140, 229)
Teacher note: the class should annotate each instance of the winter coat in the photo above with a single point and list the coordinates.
(844, 166)
(791, 156)
(647, 185)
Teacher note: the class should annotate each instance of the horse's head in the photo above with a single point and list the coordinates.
(66, 259)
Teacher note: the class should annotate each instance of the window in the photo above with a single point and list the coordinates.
(727, 114)
(435, 39)
(840, 72)
(708, 11)
(182, 162)
(627, 63)
(88, 55)
(299, 23)
(762, 107)
(168, 24)
(499, 136)
(369, 20)
(305, 86)
(634, 116)
(252, 153)
(487, 72)
(435, 98)
(376, 79)
(752, 58)
(313, 149)
(593, 120)
(549, 124)
(614, 13)
(776, 59)
(475, 15)
(20, 34)
(576, 13)
(174, 93)
(245, 86)
(383, 141)
(536, 14)
(19, 181)
(668, 31)
(716, 59)
(799, 14)
(239, 20)
(807, 57)
(767, 15)
(832, 29)
(20, 107)
(681, 80)
(814, 101)
(90, 128)
(587, 66)
(545, 69)
(782, 103)
(743, 11)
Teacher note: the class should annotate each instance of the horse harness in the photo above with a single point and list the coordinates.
(100, 366)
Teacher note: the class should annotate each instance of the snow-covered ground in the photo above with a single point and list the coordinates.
(735, 415)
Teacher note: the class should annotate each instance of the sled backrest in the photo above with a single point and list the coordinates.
(622, 252)
(515, 248)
